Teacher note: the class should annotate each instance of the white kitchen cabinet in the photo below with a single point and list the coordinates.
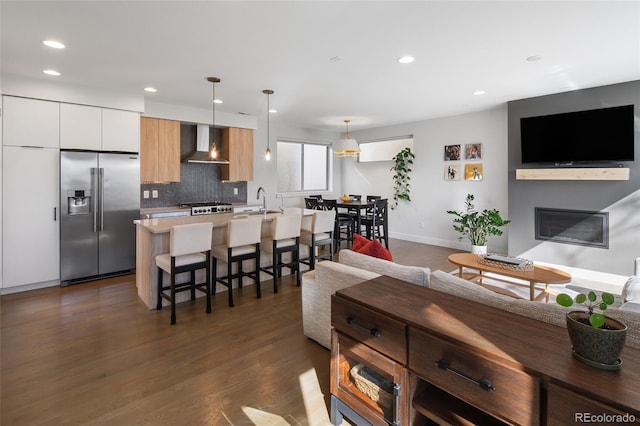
(120, 130)
(80, 127)
(31, 231)
(30, 122)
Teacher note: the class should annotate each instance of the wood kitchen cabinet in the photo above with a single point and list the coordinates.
(237, 147)
(31, 230)
(159, 150)
(430, 357)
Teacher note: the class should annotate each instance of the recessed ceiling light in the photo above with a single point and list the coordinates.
(336, 58)
(150, 89)
(406, 59)
(273, 111)
(51, 72)
(54, 44)
(534, 58)
(479, 92)
(217, 101)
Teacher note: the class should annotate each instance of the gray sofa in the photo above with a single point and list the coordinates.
(353, 268)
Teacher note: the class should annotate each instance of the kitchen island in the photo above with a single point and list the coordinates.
(152, 239)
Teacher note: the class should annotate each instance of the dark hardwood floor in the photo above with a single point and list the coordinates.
(94, 354)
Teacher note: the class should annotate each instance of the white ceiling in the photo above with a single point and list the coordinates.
(460, 47)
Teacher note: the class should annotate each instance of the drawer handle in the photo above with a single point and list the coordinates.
(373, 331)
(483, 383)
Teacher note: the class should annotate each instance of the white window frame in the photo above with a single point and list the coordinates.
(329, 171)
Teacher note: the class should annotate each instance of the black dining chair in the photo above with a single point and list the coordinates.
(376, 224)
(312, 203)
(344, 227)
(373, 197)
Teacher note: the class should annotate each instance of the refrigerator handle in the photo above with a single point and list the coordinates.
(101, 199)
(94, 194)
(55, 214)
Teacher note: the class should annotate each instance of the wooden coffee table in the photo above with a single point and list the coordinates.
(539, 275)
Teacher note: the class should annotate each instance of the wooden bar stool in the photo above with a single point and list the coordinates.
(189, 249)
(320, 234)
(243, 243)
(284, 238)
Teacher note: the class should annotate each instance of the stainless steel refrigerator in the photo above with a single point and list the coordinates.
(99, 200)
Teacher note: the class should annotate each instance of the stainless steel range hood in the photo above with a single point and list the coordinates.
(202, 155)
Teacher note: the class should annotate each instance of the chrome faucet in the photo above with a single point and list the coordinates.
(264, 198)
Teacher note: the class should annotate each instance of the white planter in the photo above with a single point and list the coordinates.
(478, 249)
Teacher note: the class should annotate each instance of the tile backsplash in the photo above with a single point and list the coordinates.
(198, 182)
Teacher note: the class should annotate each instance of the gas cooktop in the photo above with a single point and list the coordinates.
(208, 207)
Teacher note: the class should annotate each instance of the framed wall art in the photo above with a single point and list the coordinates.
(452, 152)
(473, 151)
(452, 172)
(473, 171)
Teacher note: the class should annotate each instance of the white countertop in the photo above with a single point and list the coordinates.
(162, 225)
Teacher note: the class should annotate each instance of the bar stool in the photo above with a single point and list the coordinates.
(243, 243)
(376, 224)
(189, 249)
(344, 225)
(284, 238)
(320, 234)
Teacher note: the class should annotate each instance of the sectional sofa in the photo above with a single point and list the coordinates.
(353, 268)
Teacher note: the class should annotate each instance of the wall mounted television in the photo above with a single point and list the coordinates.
(604, 135)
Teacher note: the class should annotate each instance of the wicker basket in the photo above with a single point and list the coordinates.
(376, 387)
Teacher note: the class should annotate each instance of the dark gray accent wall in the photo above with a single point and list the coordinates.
(198, 182)
(620, 198)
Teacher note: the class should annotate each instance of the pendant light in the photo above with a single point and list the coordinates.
(347, 146)
(267, 153)
(213, 152)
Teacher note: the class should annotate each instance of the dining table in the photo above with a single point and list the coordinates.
(357, 207)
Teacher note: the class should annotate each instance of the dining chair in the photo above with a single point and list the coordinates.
(311, 203)
(376, 224)
(344, 225)
(189, 249)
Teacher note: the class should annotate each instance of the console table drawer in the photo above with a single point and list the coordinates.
(508, 394)
(384, 334)
(566, 407)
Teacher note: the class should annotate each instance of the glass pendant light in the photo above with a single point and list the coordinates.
(267, 153)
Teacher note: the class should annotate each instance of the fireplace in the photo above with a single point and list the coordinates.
(578, 227)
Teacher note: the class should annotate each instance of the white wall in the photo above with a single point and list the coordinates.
(265, 172)
(424, 219)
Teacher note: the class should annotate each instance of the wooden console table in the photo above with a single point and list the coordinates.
(402, 354)
(539, 274)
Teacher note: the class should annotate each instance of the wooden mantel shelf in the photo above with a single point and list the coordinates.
(608, 173)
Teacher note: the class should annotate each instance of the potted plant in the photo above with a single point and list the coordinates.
(477, 226)
(597, 340)
(401, 168)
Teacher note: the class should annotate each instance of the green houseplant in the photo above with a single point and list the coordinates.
(401, 168)
(597, 340)
(477, 226)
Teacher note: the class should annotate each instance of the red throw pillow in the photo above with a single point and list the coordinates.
(358, 242)
(370, 248)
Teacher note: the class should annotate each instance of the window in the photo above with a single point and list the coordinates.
(303, 166)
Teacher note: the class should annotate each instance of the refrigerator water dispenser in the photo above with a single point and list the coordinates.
(78, 202)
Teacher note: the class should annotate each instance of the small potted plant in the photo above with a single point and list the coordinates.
(477, 226)
(597, 340)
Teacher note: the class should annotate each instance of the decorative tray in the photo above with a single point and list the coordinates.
(506, 262)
